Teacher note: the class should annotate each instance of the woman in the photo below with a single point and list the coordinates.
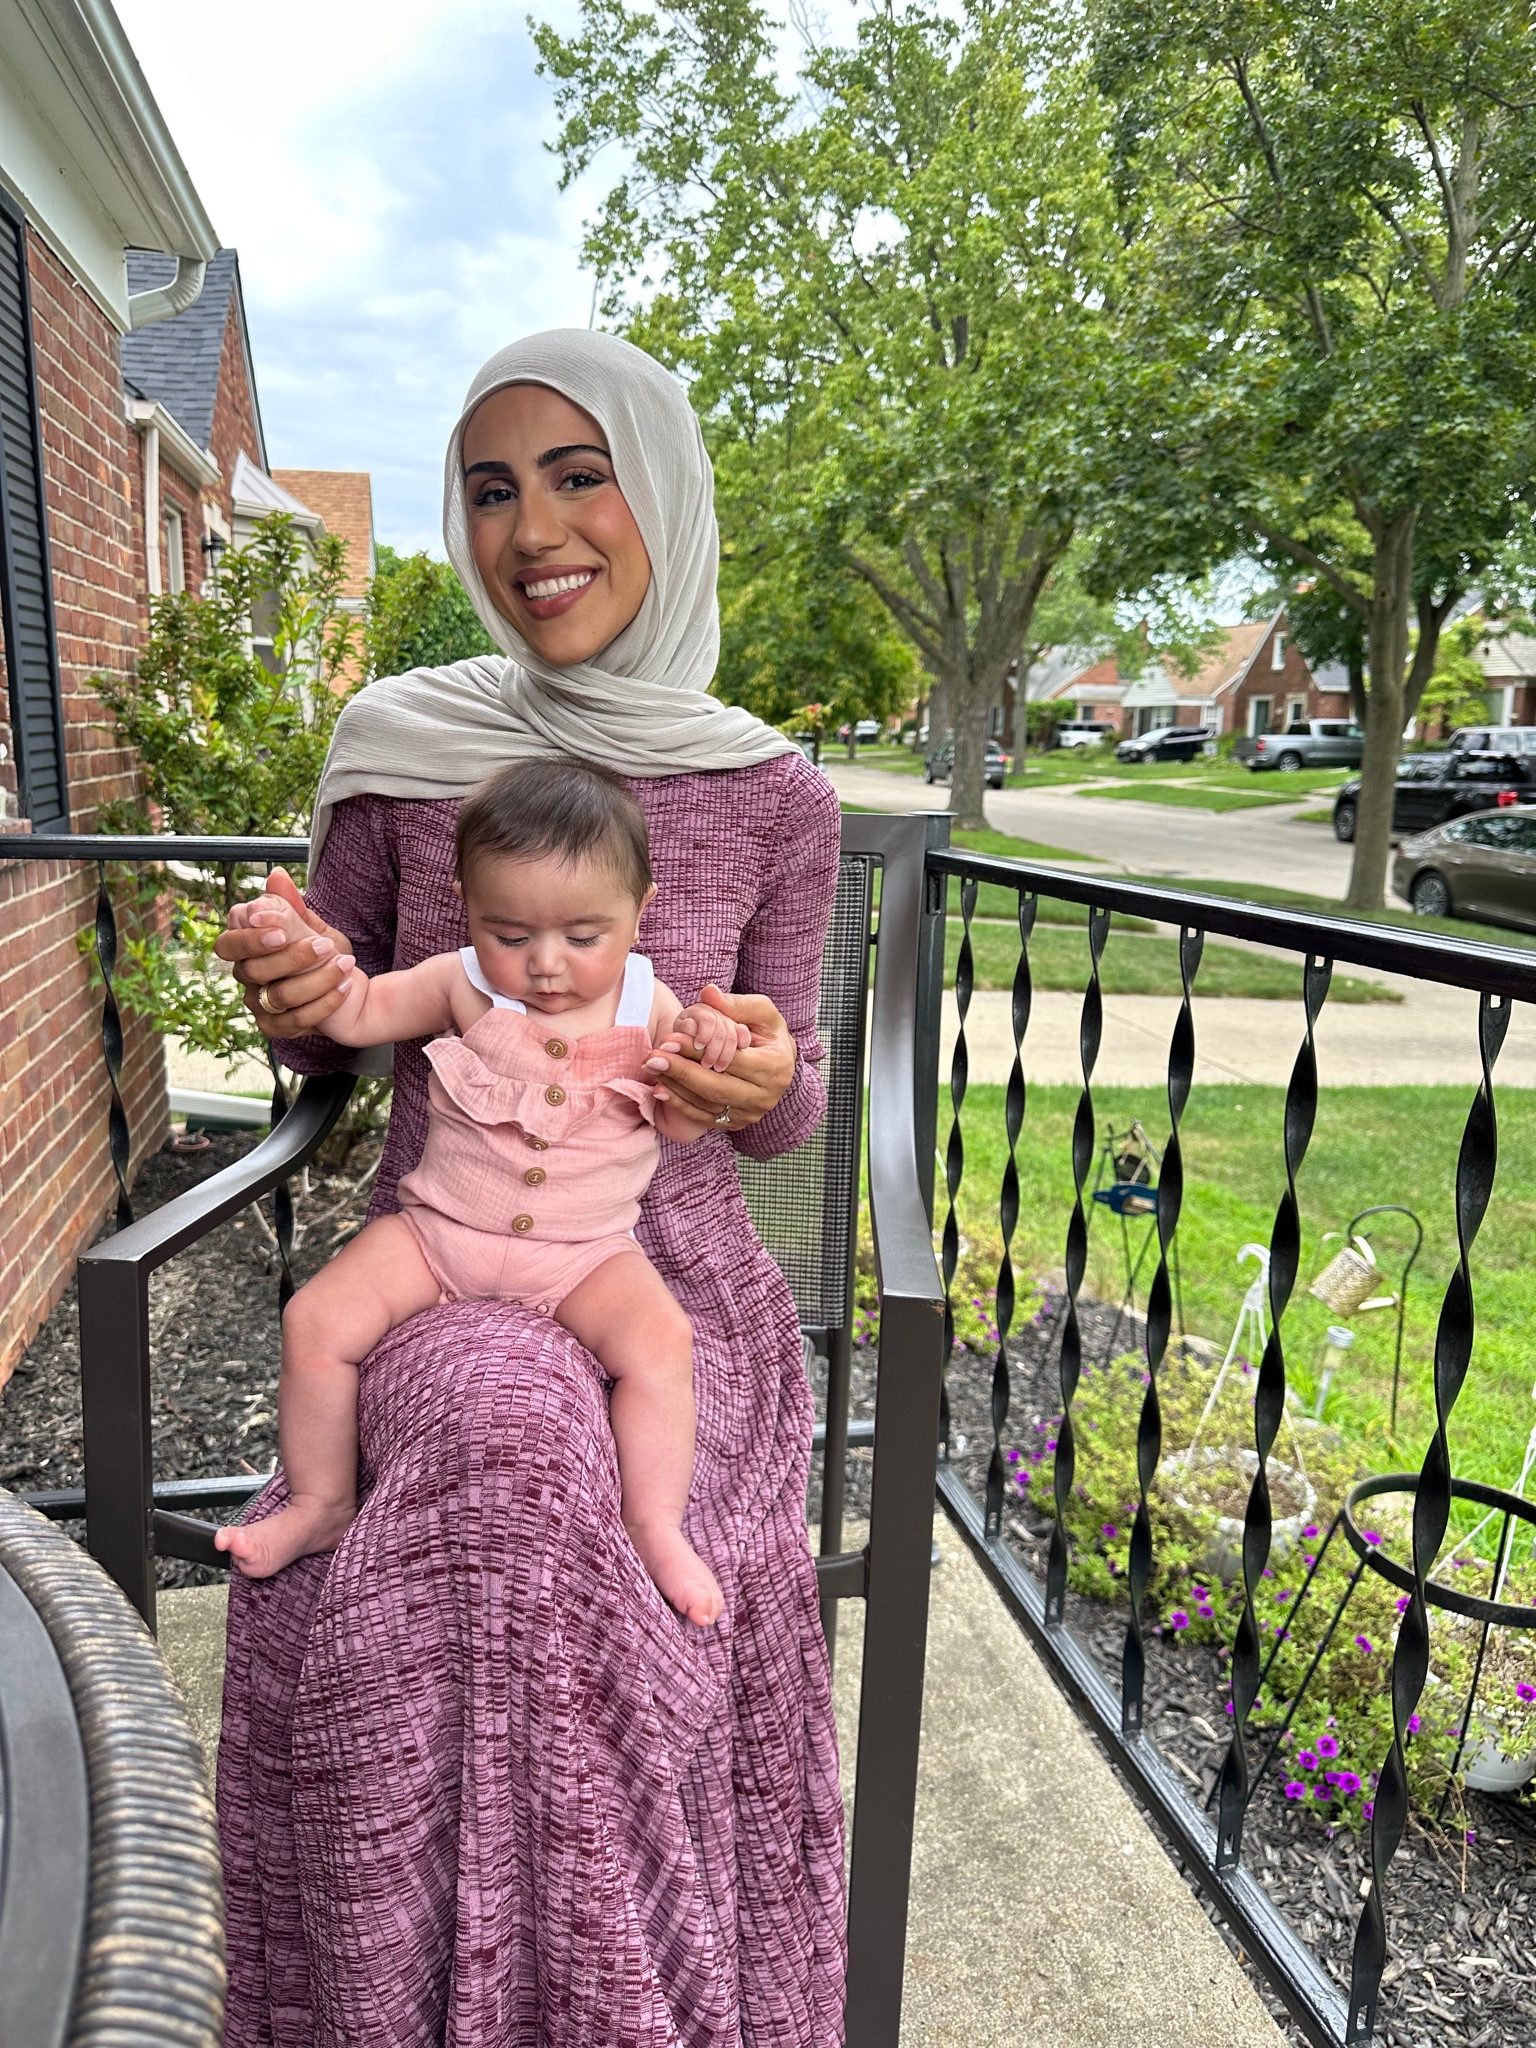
(477, 1783)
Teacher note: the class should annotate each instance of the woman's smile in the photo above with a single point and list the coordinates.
(547, 593)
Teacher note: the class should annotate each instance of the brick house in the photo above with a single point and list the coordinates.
(1254, 680)
(88, 170)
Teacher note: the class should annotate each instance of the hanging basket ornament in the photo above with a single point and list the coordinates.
(1349, 1279)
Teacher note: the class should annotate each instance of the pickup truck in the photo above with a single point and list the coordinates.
(1308, 743)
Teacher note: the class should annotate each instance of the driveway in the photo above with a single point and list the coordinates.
(1261, 845)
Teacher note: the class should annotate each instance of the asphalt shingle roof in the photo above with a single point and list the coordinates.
(175, 362)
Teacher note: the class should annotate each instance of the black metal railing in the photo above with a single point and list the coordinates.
(1210, 1846)
(1208, 1837)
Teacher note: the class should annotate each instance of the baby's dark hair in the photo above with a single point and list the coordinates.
(562, 807)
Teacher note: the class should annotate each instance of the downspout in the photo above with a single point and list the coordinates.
(144, 308)
(152, 508)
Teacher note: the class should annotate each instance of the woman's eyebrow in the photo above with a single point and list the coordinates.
(552, 455)
(489, 468)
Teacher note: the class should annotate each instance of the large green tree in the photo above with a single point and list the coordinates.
(887, 287)
(1335, 201)
(418, 616)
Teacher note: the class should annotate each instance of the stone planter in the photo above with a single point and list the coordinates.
(1223, 1557)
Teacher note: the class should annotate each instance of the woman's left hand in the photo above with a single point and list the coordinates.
(749, 1087)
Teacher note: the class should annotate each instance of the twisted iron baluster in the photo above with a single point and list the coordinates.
(119, 1143)
(1008, 1216)
(1090, 1030)
(954, 1155)
(1149, 1432)
(1431, 1511)
(1268, 1411)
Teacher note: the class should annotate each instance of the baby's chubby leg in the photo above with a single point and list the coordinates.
(374, 1284)
(625, 1315)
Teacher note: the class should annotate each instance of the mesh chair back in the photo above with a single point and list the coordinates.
(804, 1205)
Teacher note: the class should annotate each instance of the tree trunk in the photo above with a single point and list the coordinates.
(1385, 712)
(971, 708)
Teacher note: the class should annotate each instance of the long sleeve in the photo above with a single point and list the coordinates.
(356, 888)
(781, 949)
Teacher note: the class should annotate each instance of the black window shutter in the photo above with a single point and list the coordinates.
(26, 588)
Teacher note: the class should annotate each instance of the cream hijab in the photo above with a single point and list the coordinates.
(642, 705)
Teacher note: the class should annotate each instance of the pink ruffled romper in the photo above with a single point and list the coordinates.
(538, 1148)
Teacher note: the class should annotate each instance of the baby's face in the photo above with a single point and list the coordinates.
(548, 933)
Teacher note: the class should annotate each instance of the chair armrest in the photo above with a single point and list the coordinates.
(155, 1238)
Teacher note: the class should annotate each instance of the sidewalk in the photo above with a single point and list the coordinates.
(1044, 1913)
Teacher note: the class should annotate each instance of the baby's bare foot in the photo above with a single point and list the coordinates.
(681, 1575)
(307, 1527)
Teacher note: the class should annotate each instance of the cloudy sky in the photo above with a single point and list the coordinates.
(380, 166)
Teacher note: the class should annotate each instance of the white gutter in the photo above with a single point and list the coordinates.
(151, 453)
(145, 308)
(174, 442)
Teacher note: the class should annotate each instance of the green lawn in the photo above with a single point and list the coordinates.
(1462, 928)
(1197, 796)
(894, 760)
(1369, 1145)
(1136, 962)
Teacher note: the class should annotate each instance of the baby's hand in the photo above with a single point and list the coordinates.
(716, 1039)
(270, 913)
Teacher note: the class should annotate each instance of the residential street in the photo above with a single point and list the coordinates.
(1261, 845)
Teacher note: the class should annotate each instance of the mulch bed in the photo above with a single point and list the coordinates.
(1463, 1967)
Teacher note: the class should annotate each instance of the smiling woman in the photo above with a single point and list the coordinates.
(551, 533)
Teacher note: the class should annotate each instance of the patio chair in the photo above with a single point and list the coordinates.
(805, 1206)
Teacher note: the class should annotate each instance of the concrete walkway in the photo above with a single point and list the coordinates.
(1044, 1913)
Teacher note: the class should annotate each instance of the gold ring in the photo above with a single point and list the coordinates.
(263, 996)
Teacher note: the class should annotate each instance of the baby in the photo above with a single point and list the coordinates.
(541, 1141)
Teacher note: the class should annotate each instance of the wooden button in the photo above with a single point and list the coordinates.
(521, 1224)
(535, 1176)
(554, 1095)
(556, 1048)
(536, 1144)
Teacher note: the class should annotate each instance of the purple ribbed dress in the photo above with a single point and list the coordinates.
(478, 1785)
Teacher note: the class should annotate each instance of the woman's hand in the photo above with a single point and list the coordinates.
(749, 1087)
(302, 981)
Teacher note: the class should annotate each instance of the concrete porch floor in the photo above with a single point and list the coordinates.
(1044, 1914)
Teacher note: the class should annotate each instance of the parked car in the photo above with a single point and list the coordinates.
(1167, 743)
(1494, 739)
(1305, 743)
(866, 730)
(1433, 788)
(1479, 866)
(1080, 732)
(940, 764)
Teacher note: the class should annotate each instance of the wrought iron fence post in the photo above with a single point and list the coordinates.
(1476, 1165)
(119, 1141)
(930, 1006)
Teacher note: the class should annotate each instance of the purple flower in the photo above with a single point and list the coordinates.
(1206, 1609)
(1284, 1593)
(1368, 1808)
(1050, 1443)
(1348, 1782)
(1307, 1758)
(1229, 1707)
(1370, 1536)
(1524, 1691)
(1267, 1573)
(1322, 1791)
(1310, 1530)
(1471, 1835)
(1365, 1643)
(1200, 1593)
(1309, 1560)
(1328, 1745)
(1109, 1530)
(1414, 1724)
(1402, 1605)
(1295, 1789)
(1178, 1618)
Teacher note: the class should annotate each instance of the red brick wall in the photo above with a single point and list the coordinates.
(234, 417)
(56, 1182)
(177, 493)
(1292, 679)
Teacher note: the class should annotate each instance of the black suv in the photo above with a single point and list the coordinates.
(1434, 787)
